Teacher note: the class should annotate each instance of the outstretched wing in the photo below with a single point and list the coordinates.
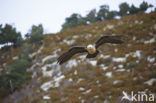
(109, 39)
(72, 51)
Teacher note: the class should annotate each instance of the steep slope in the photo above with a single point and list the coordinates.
(127, 67)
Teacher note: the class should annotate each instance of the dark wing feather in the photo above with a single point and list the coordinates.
(72, 51)
(109, 39)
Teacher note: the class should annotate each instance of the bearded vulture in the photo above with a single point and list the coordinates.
(91, 49)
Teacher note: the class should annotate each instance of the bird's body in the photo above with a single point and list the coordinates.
(90, 49)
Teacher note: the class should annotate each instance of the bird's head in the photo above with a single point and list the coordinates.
(91, 49)
(90, 46)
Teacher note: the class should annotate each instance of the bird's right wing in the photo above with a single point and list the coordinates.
(108, 39)
(72, 51)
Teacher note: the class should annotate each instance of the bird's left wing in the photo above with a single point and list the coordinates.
(72, 51)
(108, 39)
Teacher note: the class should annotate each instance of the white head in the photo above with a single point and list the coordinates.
(90, 46)
(91, 49)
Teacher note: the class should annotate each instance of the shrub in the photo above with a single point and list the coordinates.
(8, 34)
(16, 74)
(36, 33)
(26, 50)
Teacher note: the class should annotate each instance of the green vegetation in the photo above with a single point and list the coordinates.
(104, 14)
(124, 9)
(73, 21)
(35, 34)
(14, 76)
(8, 34)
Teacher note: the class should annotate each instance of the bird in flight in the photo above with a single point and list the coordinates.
(91, 49)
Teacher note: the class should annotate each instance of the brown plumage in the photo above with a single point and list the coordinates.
(90, 49)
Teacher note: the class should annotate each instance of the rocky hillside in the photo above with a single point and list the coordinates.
(127, 67)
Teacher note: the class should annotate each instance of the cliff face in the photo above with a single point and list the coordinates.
(127, 67)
